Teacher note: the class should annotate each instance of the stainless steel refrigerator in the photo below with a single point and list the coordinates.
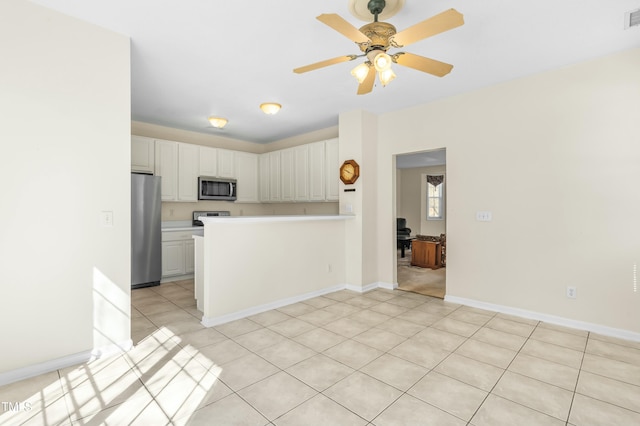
(146, 243)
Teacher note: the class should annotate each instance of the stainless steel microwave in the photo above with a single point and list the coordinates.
(210, 188)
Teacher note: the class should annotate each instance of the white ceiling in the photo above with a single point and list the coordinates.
(195, 58)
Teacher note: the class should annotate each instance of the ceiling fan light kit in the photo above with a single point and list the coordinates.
(386, 76)
(376, 38)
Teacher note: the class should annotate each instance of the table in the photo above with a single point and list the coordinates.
(404, 242)
(426, 254)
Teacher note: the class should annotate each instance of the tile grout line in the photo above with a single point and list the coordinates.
(500, 378)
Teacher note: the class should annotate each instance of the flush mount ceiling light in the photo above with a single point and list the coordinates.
(376, 38)
(218, 122)
(270, 108)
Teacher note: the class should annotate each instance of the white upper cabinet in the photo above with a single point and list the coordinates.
(226, 163)
(247, 175)
(316, 171)
(332, 170)
(188, 164)
(301, 173)
(208, 161)
(265, 175)
(142, 154)
(274, 176)
(177, 163)
(286, 175)
(166, 165)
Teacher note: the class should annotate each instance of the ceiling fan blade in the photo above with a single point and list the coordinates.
(437, 24)
(343, 27)
(367, 85)
(323, 64)
(423, 64)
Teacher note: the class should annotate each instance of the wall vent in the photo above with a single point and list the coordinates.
(632, 19)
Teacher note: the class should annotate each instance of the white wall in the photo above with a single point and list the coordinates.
(358, 140)
(555, 157)
(65, 99)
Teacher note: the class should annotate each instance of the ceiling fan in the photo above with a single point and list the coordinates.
(376, 38)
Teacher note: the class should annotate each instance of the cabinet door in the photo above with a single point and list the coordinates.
(166, 165)
(189, 256)
(247, 175)
(316, 171)
(332, 170)
(265, 176)
(188, 172)
(208, 162)
(274, 176)
(142, 154)
(286, 175)
(301, 173)
(173, 258)
(226, 163)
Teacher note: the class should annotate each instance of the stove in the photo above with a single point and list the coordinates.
(197, 215)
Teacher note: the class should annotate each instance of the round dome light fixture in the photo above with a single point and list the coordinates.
(218, 122)
(270, 108)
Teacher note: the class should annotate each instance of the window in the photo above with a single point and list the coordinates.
(435, 197)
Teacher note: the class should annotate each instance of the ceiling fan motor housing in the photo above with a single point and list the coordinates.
(379, 33)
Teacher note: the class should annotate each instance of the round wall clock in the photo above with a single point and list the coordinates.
(349, 172)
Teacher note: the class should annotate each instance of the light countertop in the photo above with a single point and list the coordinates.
(178, 225)
(255, 219)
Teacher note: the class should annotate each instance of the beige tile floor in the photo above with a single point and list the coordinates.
(382, 358)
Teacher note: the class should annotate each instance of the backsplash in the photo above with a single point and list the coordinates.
(183, 211)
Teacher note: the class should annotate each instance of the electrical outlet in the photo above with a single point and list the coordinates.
(483, 216)
(572, 293)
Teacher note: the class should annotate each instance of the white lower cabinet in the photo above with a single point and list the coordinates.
(177, 253)
(173, 259)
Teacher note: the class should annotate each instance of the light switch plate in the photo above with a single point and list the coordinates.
(106, 219)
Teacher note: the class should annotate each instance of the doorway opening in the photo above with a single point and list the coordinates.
(421, 218)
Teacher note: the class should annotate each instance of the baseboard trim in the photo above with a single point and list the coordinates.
(362, 290)
(552, 319)
(388, 286)
(63, 362)
(176, 278)
(213, 321)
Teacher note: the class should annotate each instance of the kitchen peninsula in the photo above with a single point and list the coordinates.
(247, 265)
